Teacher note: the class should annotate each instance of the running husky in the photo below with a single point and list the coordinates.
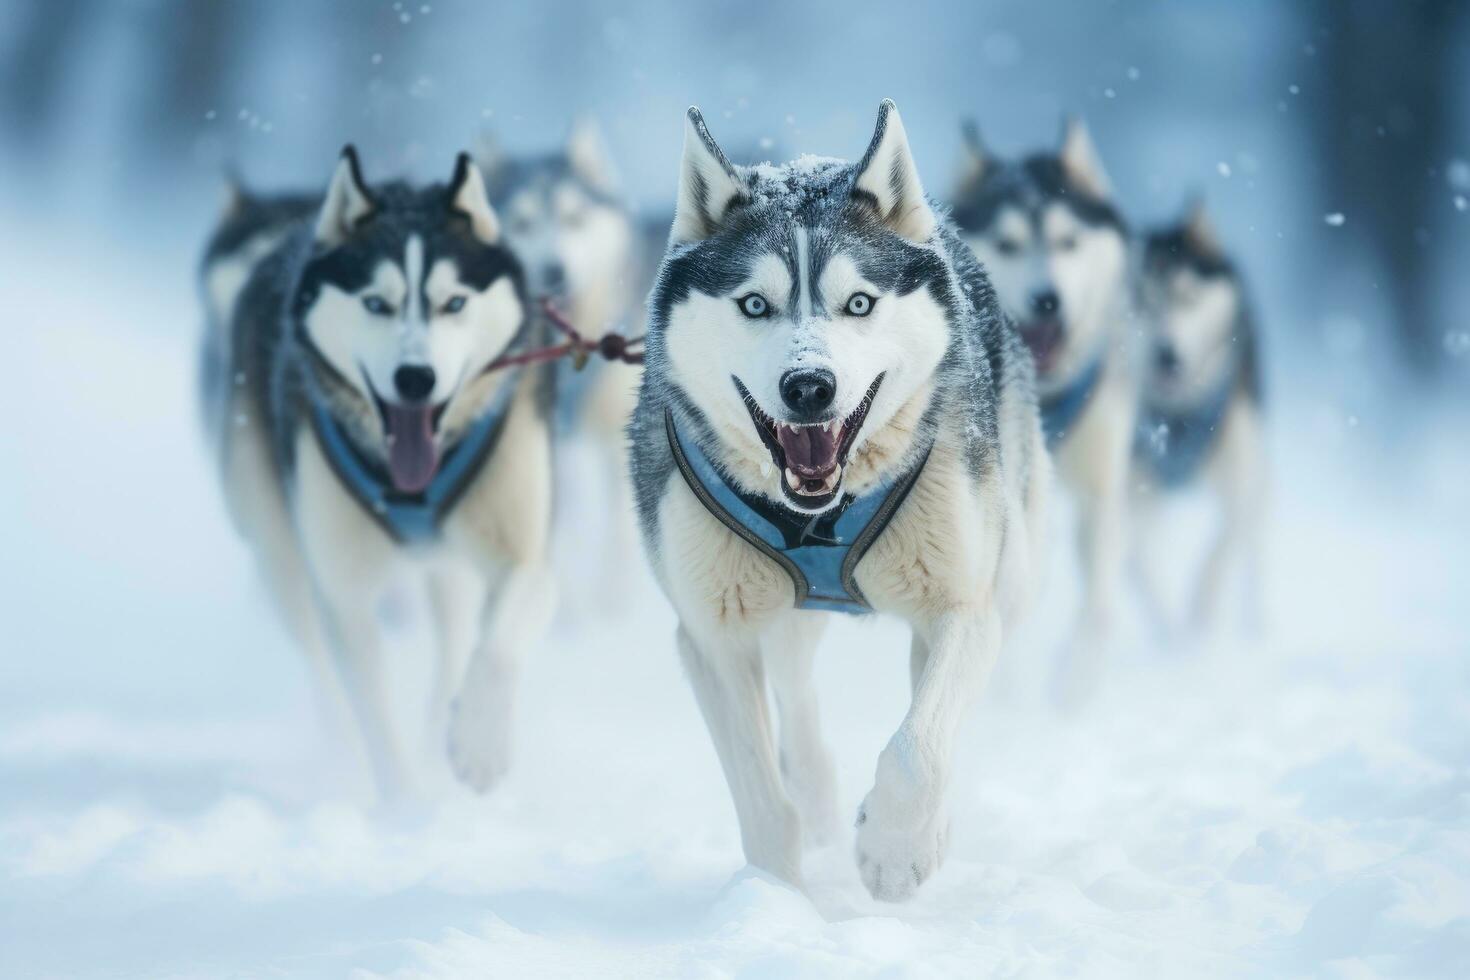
(835, 415)
(584, 249)
(368, 443)
(1051, 240)
(1200, 406)
(581, 247)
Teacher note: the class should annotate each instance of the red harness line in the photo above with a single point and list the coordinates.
(611, 346)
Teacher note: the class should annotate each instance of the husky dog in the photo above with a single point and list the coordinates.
(1056, 248)
(835, 415)
(579, 242)
(584, 249)
(1200, 405)
(369, 443)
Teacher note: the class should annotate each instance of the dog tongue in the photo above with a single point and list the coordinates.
(412, 457)
(811, 450)
(1043, 337)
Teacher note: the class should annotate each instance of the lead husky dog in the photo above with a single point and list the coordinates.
(1200, 406)
(370, 444)
(1051, 240)
(835, 415)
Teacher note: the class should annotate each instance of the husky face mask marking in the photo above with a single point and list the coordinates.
(1052, 243)
(1191, 306)
(802, 307)
(406, 307)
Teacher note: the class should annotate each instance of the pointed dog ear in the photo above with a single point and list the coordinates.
(467, 196)
(708, 184)
(1080, 159)
(588, 157)
(976, 158)
(888, 177)
(1199, 230)
(348, 202)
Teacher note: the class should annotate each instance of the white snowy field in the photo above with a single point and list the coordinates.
(1295, 805)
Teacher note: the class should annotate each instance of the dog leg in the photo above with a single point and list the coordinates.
(482, 717)
(918, 660)
(457, 597)
(1100, 542)
(358, 649)
(807, 772)
(729, 685)
(903, 826)
(1145, 528)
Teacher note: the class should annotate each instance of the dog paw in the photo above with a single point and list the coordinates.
(479, 745)
(895, 859)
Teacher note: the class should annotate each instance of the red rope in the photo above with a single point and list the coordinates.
(610, 346)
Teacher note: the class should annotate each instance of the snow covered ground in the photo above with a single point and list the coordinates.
(1293, 806)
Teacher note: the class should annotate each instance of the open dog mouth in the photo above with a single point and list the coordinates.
(809, 458)
(1043, 336)
(410, 432)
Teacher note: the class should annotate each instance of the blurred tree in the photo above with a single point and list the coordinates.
(34, 73)
(1383, 146)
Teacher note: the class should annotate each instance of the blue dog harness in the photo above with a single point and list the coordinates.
(1060, 410)
(411, 518)
(1174, 444)
(820, 552)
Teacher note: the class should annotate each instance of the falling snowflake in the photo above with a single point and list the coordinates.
(1223, 168)
(1335, 218)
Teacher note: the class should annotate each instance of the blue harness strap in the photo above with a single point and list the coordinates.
(411, 518)
(1174, 444)
(820, 552)
(1060, 410)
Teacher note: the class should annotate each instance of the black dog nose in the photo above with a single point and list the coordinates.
(808, 391)
(414, 382)
(1045, 302)
(1166, 358)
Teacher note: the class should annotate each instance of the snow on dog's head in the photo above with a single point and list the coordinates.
(800, 306)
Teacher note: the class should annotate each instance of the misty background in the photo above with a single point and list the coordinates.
(1291, 805)
(117, 119)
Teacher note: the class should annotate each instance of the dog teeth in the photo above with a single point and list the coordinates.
(792, 480)
(832, 478)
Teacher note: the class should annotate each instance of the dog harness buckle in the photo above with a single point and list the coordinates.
(820, 552)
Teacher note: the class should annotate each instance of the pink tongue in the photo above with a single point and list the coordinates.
(811, 452)
(1043, 337)
(412, 457)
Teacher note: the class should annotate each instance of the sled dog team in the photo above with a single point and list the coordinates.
(853, 399)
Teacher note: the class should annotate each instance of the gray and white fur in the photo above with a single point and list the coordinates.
(585, 250)
(373, 314)
(1200, 410)
(1056, 247)
(820, 274)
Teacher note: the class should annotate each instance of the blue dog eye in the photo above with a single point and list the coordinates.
(753, 305)
(455, 304)
(859, 304)
(376, 305)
